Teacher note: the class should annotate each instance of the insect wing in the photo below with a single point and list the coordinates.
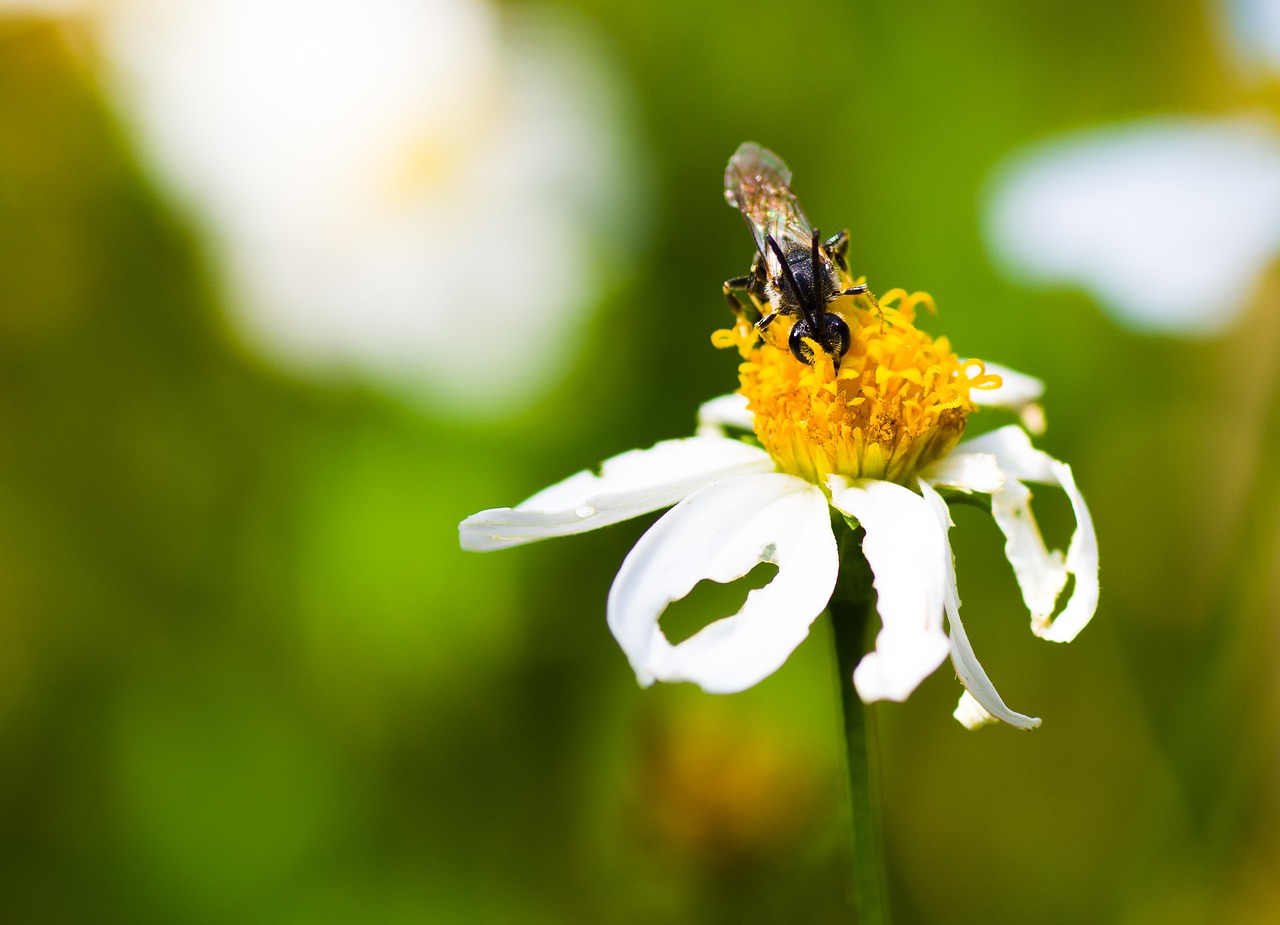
(758, 183)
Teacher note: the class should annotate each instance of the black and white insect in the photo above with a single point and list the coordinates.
(795, 272)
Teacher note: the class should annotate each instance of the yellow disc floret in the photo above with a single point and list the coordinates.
(897, 402)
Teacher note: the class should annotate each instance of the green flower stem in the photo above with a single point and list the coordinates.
(852, 609)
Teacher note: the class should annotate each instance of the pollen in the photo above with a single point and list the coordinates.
(897, 402)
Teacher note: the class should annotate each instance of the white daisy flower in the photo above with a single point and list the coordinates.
(878, 441)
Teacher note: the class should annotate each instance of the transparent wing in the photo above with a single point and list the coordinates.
(758, 183)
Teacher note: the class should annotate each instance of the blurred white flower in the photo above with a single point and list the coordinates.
(429, 193)
(1168, 222)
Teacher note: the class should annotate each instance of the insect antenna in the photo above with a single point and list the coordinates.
(819, 303)
(791, 279)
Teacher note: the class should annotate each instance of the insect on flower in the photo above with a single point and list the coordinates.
(795, 272)
(856, 410)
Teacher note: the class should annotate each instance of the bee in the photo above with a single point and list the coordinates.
(794, 271)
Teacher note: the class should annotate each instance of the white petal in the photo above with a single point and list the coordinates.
(1016, 389)
(1013, 453)
(1041, 574)
(1168, 222)
(971, 714)
(720, 533)
(1017, 392)
(986, 700)
(968, 472)
(907, 551)
(628, 485)
(1082, 561)
(728, 412)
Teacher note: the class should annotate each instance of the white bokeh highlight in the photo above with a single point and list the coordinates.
(423, 193)
(1252, 30)
(1168, 223)
(41, 8)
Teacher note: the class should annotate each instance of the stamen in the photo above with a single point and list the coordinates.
(898, 401)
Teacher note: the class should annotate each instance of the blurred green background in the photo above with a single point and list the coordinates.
(246, 674)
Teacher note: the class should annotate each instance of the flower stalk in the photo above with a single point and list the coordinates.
(852, 610)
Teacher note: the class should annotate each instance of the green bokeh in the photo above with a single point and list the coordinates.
(246, 674)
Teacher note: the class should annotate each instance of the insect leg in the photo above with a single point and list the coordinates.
(838, 247)
(766, 321)
(737, 284)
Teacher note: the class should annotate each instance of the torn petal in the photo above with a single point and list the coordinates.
(908, 554)
(628, 485)
(969, 670)
(1041, 573)
(720, 533)
(1082, 561)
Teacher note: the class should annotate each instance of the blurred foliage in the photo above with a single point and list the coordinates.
(246, 675)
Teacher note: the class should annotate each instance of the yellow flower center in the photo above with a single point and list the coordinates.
(898, 401)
